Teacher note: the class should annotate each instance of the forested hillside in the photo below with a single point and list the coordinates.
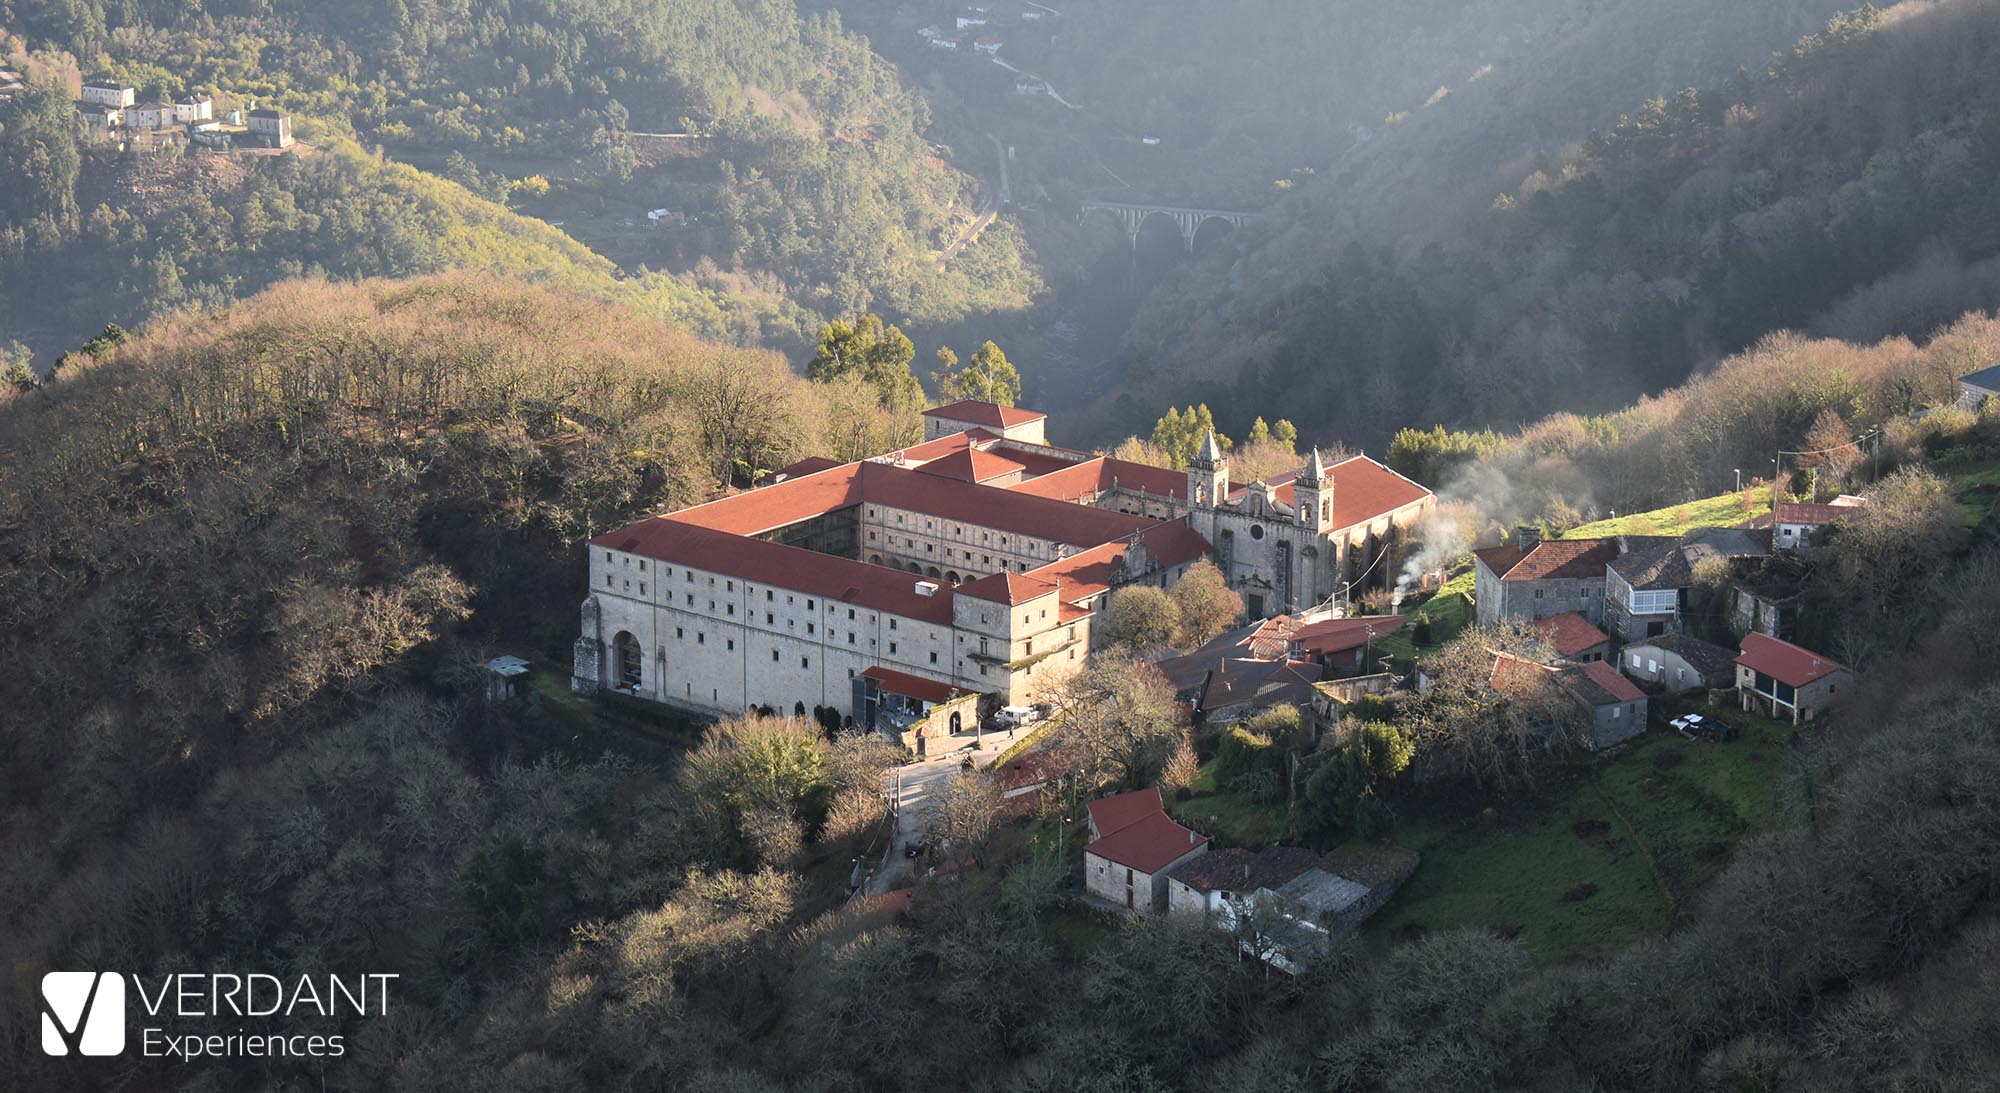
(249, 565)
(1846, 187)
(802, 163)
(1332, 77)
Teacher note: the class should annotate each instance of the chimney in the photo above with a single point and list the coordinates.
(1527, 537)
(927, 588)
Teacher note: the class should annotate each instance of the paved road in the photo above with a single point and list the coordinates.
(912, 785)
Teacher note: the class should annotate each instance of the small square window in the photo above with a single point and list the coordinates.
(680, 633)
(608, 582)
(774, 656)
(805, 662)
(700, 638)
(642, 588)
(933, 656)
(732, 645)
(892, 648)
(607, 555)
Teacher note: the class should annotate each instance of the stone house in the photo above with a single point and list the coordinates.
(1785, 682)
(1646, 588)
(1285, 903)
(1617, 708)
(1342, 645)
(1135, 845)
(1679, 663)
(150, 115)
(271, 127)
(1533, 579)
(193, 108)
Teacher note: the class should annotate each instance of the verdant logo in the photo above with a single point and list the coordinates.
(83, 1013)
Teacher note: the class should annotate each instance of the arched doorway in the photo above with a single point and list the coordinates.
(955, 723)
(630, 662)
(951, 575)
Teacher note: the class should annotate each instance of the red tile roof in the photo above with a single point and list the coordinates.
(1007, 588)
(972, 465)
(811, 464)
(756, 560)
(1792, 512)
(1340, 635)
(1111, 813)
(1785, 662)
(994, 507)
(1362, 490)
(1569, 633)
(1616, 686)
(917, 687)
(1555, 559)
(1510, 672)
(1174, 543)
(1094, 476)
(991, 415)
(1148, 844)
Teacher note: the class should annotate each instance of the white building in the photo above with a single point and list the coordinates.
(151, 115)
(117, 96)
(193, 108)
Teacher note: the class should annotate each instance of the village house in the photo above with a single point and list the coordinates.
(1615, 709)
(1782, 681)
(1134, 844)
(1285, 903)
(1645, 588)
(1975, 389)
(1533, 579)
(1343, 647)
(987, 46)
(114, 95)
(1679, 663)
(195, 107)
(273, 128)
(1332, 697)
(1571, 637)
(150, 115)
(1794, 524)
(97, 115)
(978, 559)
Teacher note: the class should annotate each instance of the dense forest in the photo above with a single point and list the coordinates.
(803, 167)
(250, 563)
(1845, 187)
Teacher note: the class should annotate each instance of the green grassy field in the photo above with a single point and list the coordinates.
(1450, 610)
(1721, 511)
(1647, 827)
(1227, 818)
(1978, 493)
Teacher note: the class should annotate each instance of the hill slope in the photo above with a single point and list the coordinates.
(1846, 187)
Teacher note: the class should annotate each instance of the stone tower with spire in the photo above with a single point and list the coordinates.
(1312, 494)
(1208, 475)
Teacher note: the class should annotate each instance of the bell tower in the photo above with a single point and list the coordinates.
(1208, 475)
(1312, 496)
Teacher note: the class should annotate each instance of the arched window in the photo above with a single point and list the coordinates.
(952, 576)
(932, 572)
(630, 662)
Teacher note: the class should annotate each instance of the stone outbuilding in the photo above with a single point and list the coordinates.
(1136, 845)
(1783, 681)
(1679, 663)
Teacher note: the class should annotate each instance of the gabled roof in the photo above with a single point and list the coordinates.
(1793, 512)
(910, 686)
(1599, 684)
(1340, 635)
(1569, 633)
(1007, 588)
(972, 465)
(1109, 814)
(1512, 673)
(1362, 490)
(990, 414)
(1262, 682)
(1785, 662)
(1090, 477)
(1986, 379)
(1653, 562)
(1148, 844)
(1554, 559)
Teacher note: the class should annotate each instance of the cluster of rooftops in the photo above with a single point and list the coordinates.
(976, 474)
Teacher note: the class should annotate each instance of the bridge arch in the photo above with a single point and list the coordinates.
(1134, 216)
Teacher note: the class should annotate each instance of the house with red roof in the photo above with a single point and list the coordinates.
(1795, 523)
(1342, 646)
(1009, 422)
(1134, 844)
(1786, 682)
(1532, 579)
(1615, 709)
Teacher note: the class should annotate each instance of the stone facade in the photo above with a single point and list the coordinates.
(1285, 546)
